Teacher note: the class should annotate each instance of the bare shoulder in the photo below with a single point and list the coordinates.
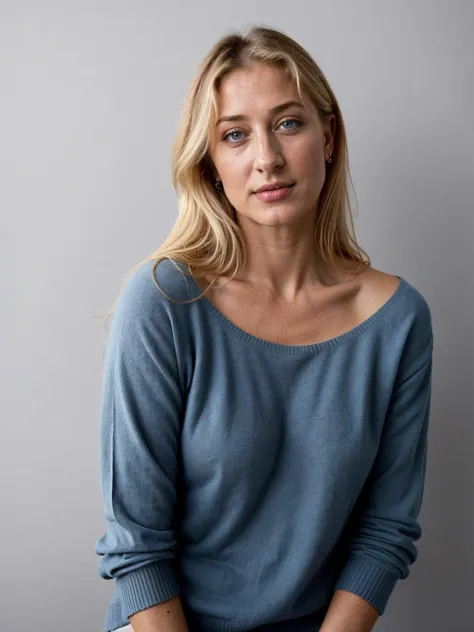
(375, 289)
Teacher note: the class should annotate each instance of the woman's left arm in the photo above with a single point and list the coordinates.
(385, 525)
(349, 613)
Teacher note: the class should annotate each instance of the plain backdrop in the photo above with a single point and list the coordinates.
(90, 94)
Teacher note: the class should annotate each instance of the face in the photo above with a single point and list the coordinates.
(265, 143)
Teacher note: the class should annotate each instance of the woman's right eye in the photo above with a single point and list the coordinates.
(226, 136)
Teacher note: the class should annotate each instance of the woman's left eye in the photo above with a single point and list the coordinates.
(291, 121)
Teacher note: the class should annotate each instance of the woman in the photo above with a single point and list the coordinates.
(263, 445)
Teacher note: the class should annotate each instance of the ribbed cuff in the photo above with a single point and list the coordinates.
(147, 586)
(367, 579)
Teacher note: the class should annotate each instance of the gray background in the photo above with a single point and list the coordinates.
(90, 96)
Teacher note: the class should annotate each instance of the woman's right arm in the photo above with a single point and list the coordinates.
(164, 617)
(140, 422)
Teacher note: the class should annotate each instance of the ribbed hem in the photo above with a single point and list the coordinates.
(147, 586)
(369, 580)
(114, 614)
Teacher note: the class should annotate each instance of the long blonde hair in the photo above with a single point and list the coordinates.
(206, 236)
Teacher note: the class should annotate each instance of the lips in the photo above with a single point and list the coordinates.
(277, 185)
(272, 195)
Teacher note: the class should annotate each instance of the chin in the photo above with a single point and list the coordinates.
(278, 213)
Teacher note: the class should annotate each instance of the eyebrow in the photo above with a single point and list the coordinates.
(275, 110)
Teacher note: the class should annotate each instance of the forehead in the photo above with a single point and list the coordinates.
(254, 88)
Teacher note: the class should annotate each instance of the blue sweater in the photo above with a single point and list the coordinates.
(253, 478)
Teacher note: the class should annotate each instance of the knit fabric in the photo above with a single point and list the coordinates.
(253, 478)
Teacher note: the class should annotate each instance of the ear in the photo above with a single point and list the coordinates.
(330, 133)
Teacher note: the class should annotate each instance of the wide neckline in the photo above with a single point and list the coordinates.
(314, 347)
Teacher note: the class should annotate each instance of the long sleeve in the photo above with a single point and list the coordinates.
(384, 525)
(140, 415)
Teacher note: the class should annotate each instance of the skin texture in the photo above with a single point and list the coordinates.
(349, 613)
(164, 617)
(261, 149)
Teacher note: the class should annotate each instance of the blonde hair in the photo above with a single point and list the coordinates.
(206, 236)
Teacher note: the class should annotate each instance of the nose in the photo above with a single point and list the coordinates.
(268, 155)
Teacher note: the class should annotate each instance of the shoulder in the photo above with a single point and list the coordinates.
(378, 287)
(151, 293)
(156, 283)
(375, 289)
(408, 317)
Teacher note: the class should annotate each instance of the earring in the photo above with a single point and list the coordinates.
(329, 160)
(218, 184)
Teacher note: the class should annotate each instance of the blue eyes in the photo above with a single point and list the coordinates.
(236, 140)
(290, 121)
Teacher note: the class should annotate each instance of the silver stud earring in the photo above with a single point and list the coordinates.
(329, 160)
(218, 184)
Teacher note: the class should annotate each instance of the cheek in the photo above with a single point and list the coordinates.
(309, 164)
(235, 172)
(308, 157)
